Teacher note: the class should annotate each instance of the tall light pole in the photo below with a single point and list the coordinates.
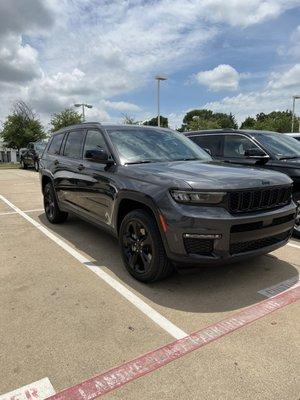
(83, 105)
(293, 116)
(159, 78)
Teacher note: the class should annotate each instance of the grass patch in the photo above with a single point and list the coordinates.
(9, 165)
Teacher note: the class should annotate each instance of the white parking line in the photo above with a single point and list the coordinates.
(39, 390)
(280, 287)
(294, 244)
(25, 211)
(155, 316)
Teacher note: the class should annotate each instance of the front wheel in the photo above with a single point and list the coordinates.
(52, 211)
(36, 166)
(142, 248)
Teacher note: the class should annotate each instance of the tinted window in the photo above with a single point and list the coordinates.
(236, 145)
(94, 141)
(211, 142)
(73, 146)
(39, 146)
(281, 145)
(136, 145)
(55, 144)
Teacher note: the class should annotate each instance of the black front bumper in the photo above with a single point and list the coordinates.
(223, 237)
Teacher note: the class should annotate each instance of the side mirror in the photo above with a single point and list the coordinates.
(256, 153)
(207, 150)
(99, 156)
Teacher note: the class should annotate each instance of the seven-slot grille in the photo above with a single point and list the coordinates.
(251, 200)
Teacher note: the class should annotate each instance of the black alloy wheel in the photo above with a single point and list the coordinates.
(53, 213)
(138, 246)
(142, 248)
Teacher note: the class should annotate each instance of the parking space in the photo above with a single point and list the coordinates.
(69, 311)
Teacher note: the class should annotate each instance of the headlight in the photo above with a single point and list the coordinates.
(184, 196)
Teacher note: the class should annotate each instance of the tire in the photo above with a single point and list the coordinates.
(23, 165)
(296, 231)
(36, 166)
(142, 248)
(52, 211)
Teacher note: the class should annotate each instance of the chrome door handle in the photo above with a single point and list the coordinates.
(80, 167)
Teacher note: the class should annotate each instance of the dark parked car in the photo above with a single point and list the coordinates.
(30, 156)
(163, 197)
(269, 150)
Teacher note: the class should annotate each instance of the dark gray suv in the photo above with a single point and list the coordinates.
(163, 197)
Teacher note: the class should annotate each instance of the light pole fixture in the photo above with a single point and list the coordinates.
(159, 78)
(83, 105)
(293, 115)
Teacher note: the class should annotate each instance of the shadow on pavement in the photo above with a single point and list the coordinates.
(213, 289)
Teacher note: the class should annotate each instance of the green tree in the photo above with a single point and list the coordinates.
(277, 121)
(249, 123)
(21, 127)
(164, 123)
(207, 119)
(65, 118)
(128, 120)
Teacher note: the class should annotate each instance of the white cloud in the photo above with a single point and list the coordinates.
(244, 12)
(276, 96)
(66, 51)
(286, 80)
(121, 105)
(222, 77)
(30, 16)
(18, 61)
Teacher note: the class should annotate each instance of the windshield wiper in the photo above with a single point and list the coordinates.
(139, 162)
(288, 157)
(186, 159)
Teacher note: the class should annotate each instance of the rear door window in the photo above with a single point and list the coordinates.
(213, 143)
(73, 145)
(55, 144)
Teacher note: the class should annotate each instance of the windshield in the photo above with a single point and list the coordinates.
(39, 146)
(280, 145)
(140, 145)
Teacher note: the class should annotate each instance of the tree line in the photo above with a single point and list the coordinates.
(23, 124)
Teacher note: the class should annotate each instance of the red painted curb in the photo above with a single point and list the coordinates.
(119, 376)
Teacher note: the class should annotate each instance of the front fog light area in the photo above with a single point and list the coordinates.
(183, 196)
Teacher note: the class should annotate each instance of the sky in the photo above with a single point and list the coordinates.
(238, 56)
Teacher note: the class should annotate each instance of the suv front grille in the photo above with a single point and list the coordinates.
(243, 247)
(203, 247)
(253, 200)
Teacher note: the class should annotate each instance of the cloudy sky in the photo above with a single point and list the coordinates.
(239, 56)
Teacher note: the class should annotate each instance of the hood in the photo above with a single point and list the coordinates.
(289, 163)
(212, 175)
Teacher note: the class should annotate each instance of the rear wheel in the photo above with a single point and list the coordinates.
(53, 213)
(296, 231)
(142, 248)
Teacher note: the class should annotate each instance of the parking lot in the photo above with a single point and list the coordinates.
(69, 312)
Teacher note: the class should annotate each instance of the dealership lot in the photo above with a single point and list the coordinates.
(70, 311)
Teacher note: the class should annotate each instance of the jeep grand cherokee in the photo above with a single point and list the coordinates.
(164, 198)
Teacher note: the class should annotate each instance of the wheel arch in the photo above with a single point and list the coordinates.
(45, 179)
(130, 201)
